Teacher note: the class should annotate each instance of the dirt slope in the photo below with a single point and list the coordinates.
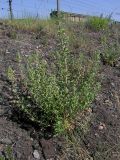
(102, 140)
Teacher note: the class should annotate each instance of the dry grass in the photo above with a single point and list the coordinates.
(34, 25)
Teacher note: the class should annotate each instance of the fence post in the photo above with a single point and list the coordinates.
(58, 7)
(10, 9)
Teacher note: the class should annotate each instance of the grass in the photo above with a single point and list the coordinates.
(110, 50)
(111, 54)
(98, 23)
(32, 24)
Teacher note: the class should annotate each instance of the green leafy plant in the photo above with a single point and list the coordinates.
(10, 74)
(111, 51)
(59, 89)
(8, 154)
(2, 158)
(98, 23)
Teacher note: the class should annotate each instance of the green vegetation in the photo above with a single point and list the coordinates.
(111, 54)
(2, 158)
(98, 23)
(55, 91)
(32, 24)
(8, 155)
(59, 89)
(110, 50)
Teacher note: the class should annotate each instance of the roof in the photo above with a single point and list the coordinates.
(69, 13)
(75, 14)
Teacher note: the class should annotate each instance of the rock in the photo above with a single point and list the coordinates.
(5, 110)
(118, 64)
(2, 111)
(36, 154)
(35, 145)
(6, 141)
(48, 148)
(18, 155)
(1, 154)
(1, 148)
(102, 126)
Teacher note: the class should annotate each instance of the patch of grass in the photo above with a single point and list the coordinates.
(59, 89)
(74, 148)
(32, 24)
(111, 51)
(97, 23)
(111, 54)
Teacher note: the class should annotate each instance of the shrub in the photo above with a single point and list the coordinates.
(59, 89)
(98, 23)
(111, 53)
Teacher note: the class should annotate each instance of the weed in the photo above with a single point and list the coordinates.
(111, 51)
(98, 23)
(10, 74)
(7, 154)
(12, 35)
(111, 54)
(59, 89)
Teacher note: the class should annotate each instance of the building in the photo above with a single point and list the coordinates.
(69, 16)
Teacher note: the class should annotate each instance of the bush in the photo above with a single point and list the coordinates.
(111, 53)
(59, 89)
(98, 23)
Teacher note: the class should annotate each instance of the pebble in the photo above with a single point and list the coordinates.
(36, 154)
(113, 84)
(102, 126)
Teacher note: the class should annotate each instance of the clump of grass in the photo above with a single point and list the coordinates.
(32, 24)
(59, 89)
(111, 51)
(111, 54)
(98, 23)
(12, 34)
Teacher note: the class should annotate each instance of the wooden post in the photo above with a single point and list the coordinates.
(58, 7)
(10, 9)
